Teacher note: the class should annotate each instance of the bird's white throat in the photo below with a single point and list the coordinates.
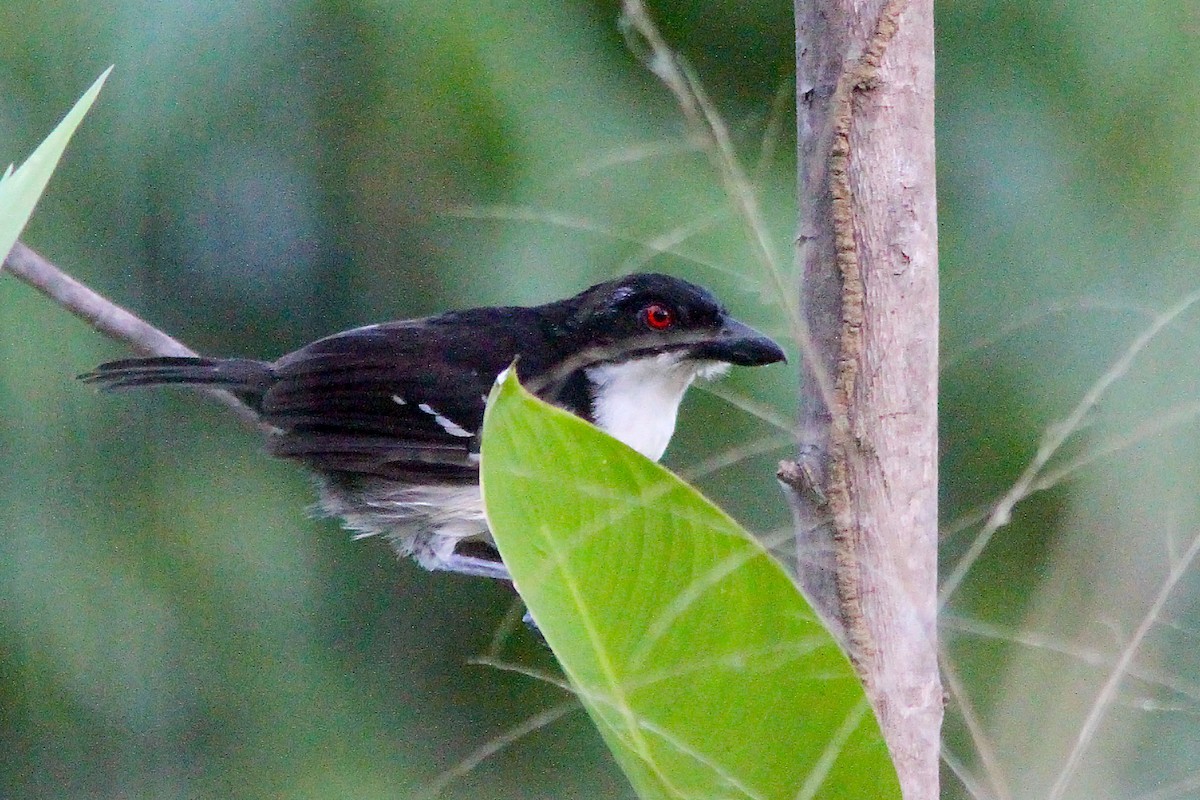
(637, 401)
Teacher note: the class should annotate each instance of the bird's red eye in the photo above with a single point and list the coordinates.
(658, 316)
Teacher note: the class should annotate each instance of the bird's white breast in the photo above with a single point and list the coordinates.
(637, 401)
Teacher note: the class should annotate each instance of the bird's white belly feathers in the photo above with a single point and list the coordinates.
(637, 401)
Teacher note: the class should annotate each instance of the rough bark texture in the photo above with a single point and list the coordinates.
(864, 485)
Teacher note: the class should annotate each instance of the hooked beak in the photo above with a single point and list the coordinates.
(737, 343)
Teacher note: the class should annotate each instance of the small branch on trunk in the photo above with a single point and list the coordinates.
(111, 320)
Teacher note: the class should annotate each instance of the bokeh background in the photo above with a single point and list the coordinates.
(257, 174)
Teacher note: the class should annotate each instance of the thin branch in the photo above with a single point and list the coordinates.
(111, 320)
(1108, 692)
(1032, 318)
(657, 246)
(1174, 791)
(634, 154)
(670, 240)
(751, 407)
(1089, 657)
(520, 669)
(772, 135)
(495, 745)
(1177, 415)
(644, 39)
(983, 747)
(960, 771)
(1055, 437)
(733, 456)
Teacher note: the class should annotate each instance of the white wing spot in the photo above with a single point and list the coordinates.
(398, 400)
(448, 425)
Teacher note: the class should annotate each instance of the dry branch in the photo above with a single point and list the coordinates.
(110, 319)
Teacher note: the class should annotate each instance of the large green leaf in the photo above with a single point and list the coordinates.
(706, 671)
(21, 189)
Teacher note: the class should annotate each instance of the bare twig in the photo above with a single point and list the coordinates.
(1033, 317)
(672, 239)
(733, 456)
(111, 320)
(1179, 790)
(634, 154)
(496, 663)
(1175, 416)
(969, 782)
(750, 407)
(1055, 437)
(772, 135)
(495, 745)
(1087, 656)
(984, 751)
(703, 120)
(1108, 692)
(659, 246)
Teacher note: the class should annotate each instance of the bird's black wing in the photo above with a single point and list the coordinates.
(399, 400)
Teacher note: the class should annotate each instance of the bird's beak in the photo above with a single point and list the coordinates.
(737, 343)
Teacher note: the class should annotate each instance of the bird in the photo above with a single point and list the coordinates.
(388, 416)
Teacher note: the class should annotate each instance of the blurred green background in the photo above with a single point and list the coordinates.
(257, 174)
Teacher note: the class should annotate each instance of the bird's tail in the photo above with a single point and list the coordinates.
(246, 378)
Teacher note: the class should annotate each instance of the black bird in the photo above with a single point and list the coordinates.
(388, 415)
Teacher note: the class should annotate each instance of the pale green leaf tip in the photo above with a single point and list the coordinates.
(21, 188)
(506, 383)
(73, 117)
(89, 96)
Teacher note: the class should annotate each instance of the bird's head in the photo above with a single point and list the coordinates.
(632, 347)
(646, 315)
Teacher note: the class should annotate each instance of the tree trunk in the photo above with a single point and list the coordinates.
(863, 488)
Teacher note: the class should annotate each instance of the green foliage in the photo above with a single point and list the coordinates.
(21, 189)
(706, 671)
(172, 623)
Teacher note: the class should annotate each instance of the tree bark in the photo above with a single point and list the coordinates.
(863, 488)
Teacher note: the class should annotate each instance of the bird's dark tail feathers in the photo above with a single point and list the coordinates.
(246, 378)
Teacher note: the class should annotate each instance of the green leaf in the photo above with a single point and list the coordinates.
(706, 671)
(21, 189)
